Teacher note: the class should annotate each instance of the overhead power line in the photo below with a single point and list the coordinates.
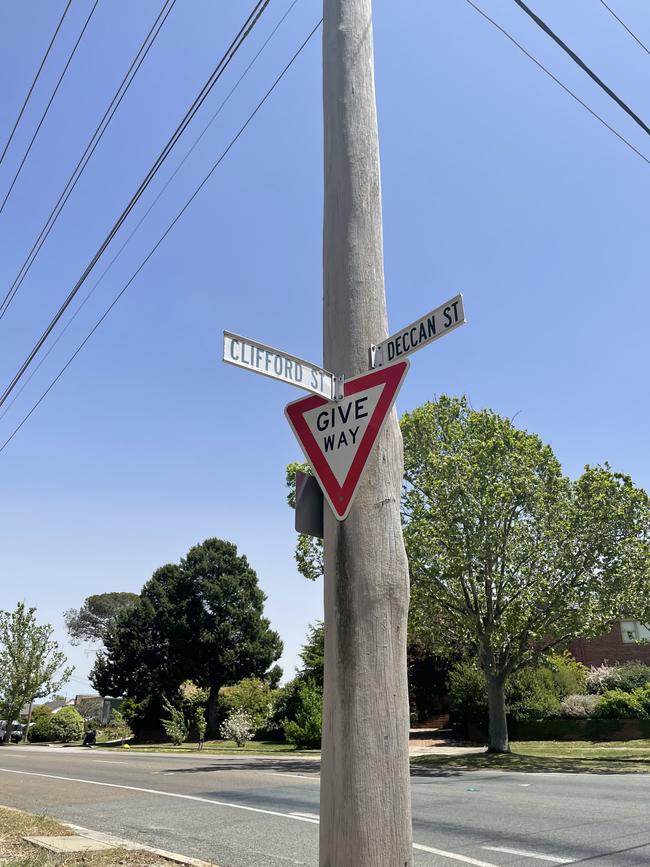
(624, 25)
(216, 74)
(36, 77)
(617, 99)
(87, 154)
(47, 107)
(557, 80)
(171, 225)
(135, 229)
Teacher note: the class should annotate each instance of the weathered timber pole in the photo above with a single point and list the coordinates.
(365, 796)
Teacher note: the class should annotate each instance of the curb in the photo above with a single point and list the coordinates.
(129, 845)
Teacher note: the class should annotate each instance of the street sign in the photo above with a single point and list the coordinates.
(338, 436)
(268, 361)
(420, 333)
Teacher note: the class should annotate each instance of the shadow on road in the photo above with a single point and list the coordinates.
(431, 764)
(304, 767)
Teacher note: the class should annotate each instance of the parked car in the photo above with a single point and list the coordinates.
(17, 730)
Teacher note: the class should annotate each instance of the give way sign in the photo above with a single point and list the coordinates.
(338, 436)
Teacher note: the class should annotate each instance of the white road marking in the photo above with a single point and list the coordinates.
(306, 815)
(453, 855)
(158, 792)
(555, 859)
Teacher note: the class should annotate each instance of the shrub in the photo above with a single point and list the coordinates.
(305, 729)
(532, 693)
(200, 723)
(238, 727)
(467, 693)
(134, 714)
(569, 675)
(579, 706)
(40, 731)
(642, 696)
(617, 704)
(39, 711)
(66, 725)
(628, 677)
(252, 695)
(119, 727)
(632, 675)
(599, 678)
(175, 726)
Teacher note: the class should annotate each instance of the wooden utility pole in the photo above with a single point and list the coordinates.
(365, 807)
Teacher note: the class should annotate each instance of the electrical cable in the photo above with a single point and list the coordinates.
(47, 107)
(557, 80)
(36, 77)
(624, 25)
(544, 26)
(87, 297)
(87, 154)
(216, 74)
(171, 225)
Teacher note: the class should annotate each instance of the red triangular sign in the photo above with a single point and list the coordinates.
(337, 436)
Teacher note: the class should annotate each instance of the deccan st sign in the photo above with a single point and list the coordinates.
(420, 333)
(251, 355)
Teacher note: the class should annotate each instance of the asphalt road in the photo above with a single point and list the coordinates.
(263, 812)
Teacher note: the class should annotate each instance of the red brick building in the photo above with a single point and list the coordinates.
(624, 643)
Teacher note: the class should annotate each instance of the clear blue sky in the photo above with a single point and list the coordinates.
(496, 183)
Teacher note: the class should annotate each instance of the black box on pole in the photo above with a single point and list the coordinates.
(309, 505)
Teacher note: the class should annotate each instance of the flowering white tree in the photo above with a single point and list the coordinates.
(238, 727)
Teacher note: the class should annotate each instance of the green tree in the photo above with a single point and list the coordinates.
(119, 725)
(175, 724)
(31, 664)
(508, 557)
(200, 620)
(251, 694)
(96, 616)
(313, 655)
(201, 724)
(305, 729)
(309, 550)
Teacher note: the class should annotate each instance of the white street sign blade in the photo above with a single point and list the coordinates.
(420, 333)
(260, 358)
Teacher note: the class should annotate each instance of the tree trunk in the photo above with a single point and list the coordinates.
(365, 809)
(496, 694)
(213, 705)
(29, 719)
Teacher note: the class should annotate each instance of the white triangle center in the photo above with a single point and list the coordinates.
(338, 428)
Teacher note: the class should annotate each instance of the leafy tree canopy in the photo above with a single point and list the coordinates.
(309, 550)
(201, 620)
(509, 557)
(96, 616)
(313, 655)
(31, 664)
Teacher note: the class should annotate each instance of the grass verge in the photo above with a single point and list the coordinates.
(16, 852)
(229, 747)
(596, 757)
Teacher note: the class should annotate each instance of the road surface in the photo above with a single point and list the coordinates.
(263, 812)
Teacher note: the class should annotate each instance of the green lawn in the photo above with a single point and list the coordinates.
(613, 757)
(219, 746)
